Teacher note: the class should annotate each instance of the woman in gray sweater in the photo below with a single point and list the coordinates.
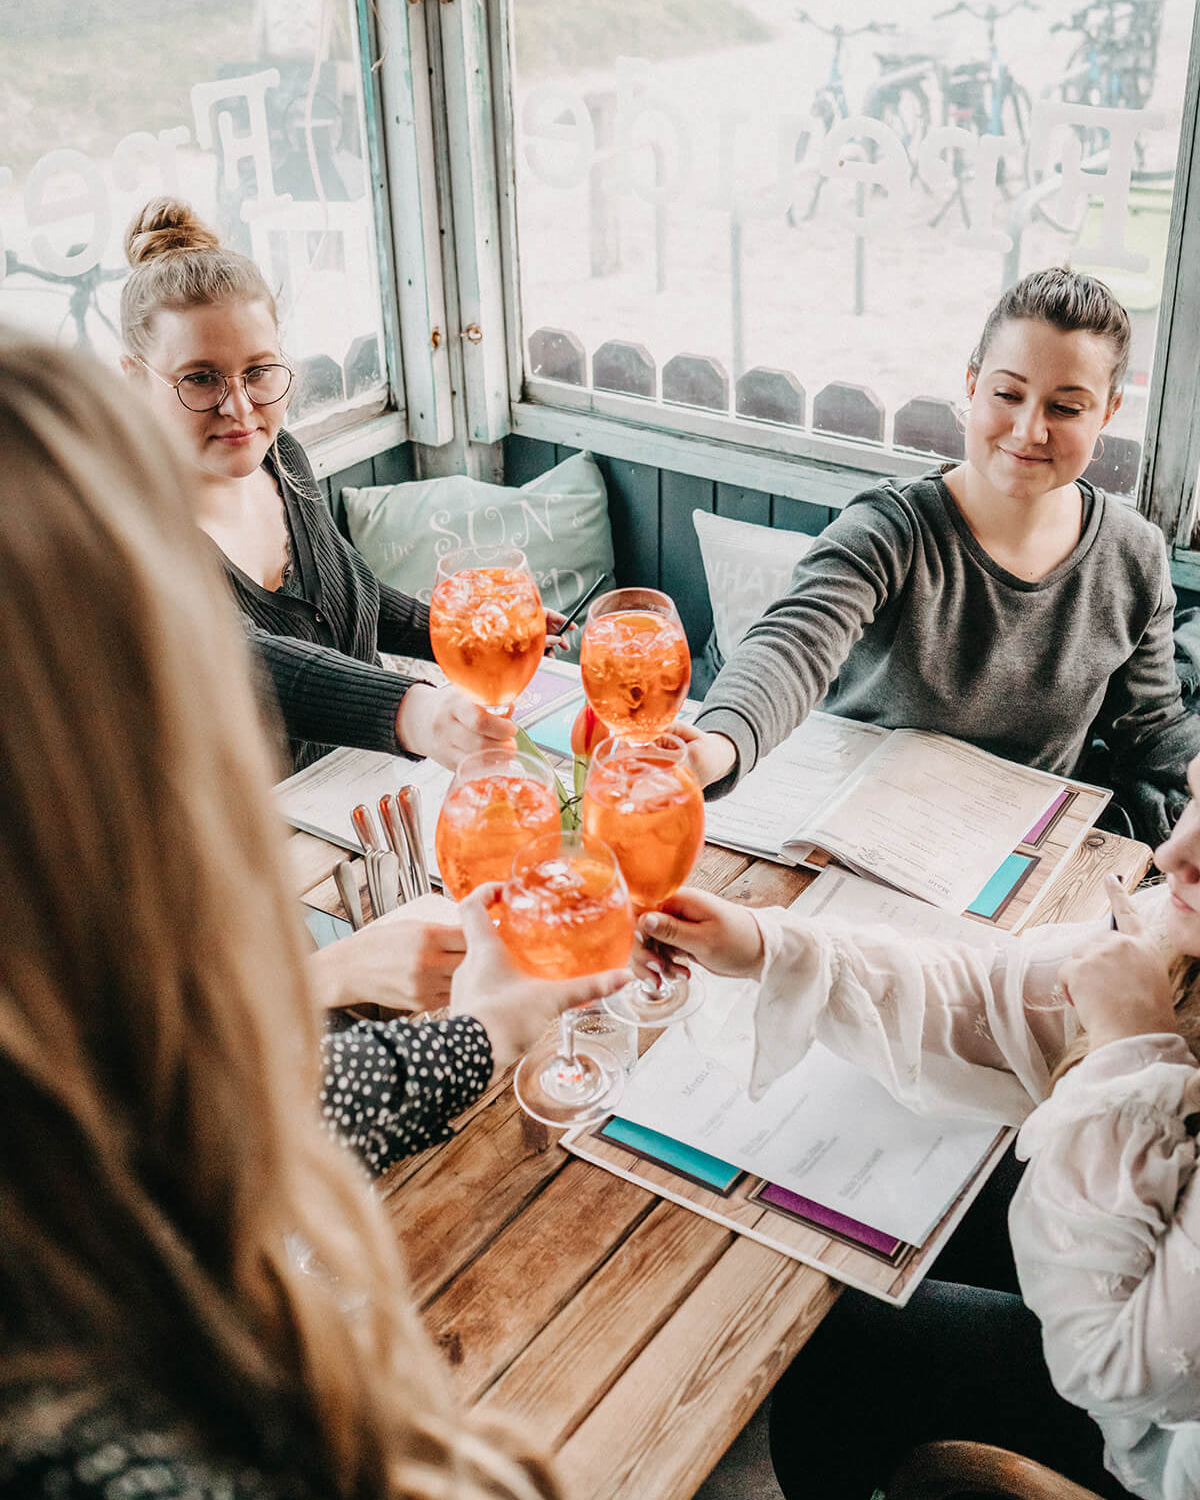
(1007, 602)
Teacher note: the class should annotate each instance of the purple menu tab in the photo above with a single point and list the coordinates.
(828, 1218)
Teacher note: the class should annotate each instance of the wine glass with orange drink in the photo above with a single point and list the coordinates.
(634, 662)
(487, 624)
(645, 803)
(565, 912)
(498, 801)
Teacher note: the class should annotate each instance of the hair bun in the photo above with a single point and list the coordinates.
(166, 224)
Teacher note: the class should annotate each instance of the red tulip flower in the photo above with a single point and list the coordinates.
(587, 731)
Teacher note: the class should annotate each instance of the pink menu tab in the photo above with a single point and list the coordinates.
(829, 1218)
(1048, 816)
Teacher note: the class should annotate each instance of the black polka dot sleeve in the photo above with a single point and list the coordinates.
(391, 1088)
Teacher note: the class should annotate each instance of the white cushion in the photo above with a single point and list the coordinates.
(747, 568)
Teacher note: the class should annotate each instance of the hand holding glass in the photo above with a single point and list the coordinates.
(565, 912)
(645, 803)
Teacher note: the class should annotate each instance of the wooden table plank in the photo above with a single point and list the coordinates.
(564, 1372)
(468, 1190)
(1078, 893)
(674, 1411)
(532, 1269)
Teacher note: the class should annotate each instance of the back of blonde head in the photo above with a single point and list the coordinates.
(177, 262)
(157, 1043)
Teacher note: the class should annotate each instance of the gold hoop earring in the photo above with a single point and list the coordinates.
(1096, 457)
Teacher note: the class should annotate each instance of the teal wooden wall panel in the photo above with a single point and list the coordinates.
(526, 458)
(356, 476)
(744, 505)
(681, 569)
(395, 466)
(633, 510)
(798, 515)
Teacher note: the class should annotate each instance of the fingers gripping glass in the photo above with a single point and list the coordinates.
(204, 390)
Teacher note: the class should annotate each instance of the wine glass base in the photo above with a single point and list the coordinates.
(543, 1090)
(642, 1006)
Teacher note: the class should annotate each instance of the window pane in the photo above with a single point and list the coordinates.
(253, 112)
(803, 217)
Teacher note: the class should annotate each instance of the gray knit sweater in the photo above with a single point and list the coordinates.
(320, 647)
(897, 616)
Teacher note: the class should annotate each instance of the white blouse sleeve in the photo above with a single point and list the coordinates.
(1106, 1231)
(942, 1025)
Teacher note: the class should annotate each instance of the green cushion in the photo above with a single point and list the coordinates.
(559, 520)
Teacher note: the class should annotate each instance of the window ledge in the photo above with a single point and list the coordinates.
(753, 455)
(364, 440)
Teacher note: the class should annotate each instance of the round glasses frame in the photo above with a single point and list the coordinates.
(178, 385)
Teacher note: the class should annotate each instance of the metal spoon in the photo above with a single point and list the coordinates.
(364, 826)
(397, 837)
(408, 802)
(347, 883)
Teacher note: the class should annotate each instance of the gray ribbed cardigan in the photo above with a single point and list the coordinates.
(320, 652)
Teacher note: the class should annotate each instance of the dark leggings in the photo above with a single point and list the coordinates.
(960, 1361)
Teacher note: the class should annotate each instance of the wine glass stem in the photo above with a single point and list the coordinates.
(566, 1041)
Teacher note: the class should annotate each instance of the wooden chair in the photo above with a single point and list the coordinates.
(936, 1471)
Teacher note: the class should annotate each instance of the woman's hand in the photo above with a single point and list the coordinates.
(403, 961)
(513, 1008)
(723, 937)
(710, 754)
(446, 726)
(556, 636)
(1118, 983)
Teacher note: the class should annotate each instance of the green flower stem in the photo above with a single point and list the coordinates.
(568, 806)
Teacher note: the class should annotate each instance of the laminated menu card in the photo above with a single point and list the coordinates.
(925, 813)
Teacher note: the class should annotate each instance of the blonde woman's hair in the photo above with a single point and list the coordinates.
(178, 263)
(158, 1044)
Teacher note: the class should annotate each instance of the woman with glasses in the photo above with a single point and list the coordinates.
(201, 335)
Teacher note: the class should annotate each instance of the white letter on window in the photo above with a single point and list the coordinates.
(663, 184)
(139, 146)
(92, 200)
(566, 163)
(1111, 185)
(255, 144)
(889, 170)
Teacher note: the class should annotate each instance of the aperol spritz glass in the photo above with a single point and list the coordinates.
(497, 802)
(645, 803)
(565, 912)
(487, 623)
(635, 663)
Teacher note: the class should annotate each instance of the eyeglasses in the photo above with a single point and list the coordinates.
(206, 389)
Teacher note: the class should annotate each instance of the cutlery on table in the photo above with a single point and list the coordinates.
(408, 802)
(364, 826)
(347, 883)
(387, 879)
(393, 827)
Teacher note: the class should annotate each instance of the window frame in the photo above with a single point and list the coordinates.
(831, 469)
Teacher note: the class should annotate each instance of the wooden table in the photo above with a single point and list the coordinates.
(636, 1337)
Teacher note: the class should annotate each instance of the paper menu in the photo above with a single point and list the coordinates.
(850, 898)
(826, 1131)
(318, 799)
(791, 783)
(932, 816)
